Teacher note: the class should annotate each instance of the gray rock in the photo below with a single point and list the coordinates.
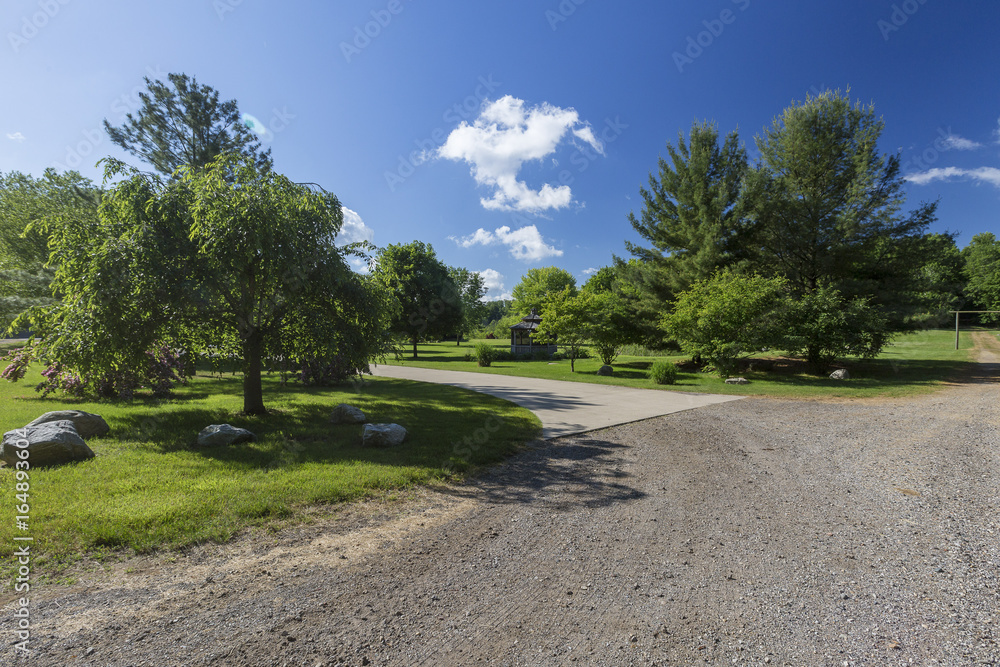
(223, 435)
(88, 425)
(347, 414)
(48, 444)
(737, 381)
(840, 374)
(605, 371)
(383, 435)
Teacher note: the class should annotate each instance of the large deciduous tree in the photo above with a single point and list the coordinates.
(982, 271)
(429, 301)
(471, 290)
(25, 204)
(537, 285)
(227, 260)
(183, 123)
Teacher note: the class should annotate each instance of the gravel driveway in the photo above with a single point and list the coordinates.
(757, 532)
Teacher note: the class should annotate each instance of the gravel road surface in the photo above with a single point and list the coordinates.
(755, 532)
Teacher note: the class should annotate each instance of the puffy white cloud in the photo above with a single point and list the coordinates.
(957, 143)
(354, 229)
(525, 243)
(493, 282)
(990, 175)
(16, 136)
(503, 138)
(492, 279)
(590, 271)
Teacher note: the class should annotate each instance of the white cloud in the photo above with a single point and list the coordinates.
(354, 229)
(17, 136)
(525, 243)
(493, 282)
(492, 279)
(996, 132)
(503, 138)
(955, 142)
(590, 272)
(990, 175)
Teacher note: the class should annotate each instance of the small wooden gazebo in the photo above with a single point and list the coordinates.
(522, 336)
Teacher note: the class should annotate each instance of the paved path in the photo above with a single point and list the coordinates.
(565, 408)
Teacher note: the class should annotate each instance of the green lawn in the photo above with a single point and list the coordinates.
(915, 363)
(148, 488)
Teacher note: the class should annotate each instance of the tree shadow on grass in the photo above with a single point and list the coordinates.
(297, 430)
(562, 474)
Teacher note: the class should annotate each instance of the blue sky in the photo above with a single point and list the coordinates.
(512, 134)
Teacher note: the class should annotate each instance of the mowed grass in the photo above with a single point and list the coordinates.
(916, 363)
(148, 488)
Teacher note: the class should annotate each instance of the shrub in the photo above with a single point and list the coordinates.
(663, 372)
(327, 373)
(541, 355)
(485, 354)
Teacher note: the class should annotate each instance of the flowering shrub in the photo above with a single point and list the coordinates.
(159, 374)
(18, 366)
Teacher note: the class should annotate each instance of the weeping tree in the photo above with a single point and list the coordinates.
(228, 260)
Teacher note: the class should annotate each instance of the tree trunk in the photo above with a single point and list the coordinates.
(572, 361)
(253, 392)
(414, 347)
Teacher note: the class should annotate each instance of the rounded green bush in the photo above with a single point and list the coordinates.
(663, 372)
(485, 354)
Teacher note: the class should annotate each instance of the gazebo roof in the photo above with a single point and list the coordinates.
(529, 322)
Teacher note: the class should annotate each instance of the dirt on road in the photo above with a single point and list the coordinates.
(757, 532)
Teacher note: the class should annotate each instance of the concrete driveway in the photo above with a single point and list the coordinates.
(564, 408)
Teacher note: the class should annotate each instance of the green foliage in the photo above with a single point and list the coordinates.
(663, 372)
(429, 301)
(825, 207)
(182, 123)
(227, 260)
(725, 317)
(941, 281)
(565, 320)
(690, 220)
(537, 285)
(982, 270)
(485, 354)
(823, 325)
(26, 205)
(471, 291)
